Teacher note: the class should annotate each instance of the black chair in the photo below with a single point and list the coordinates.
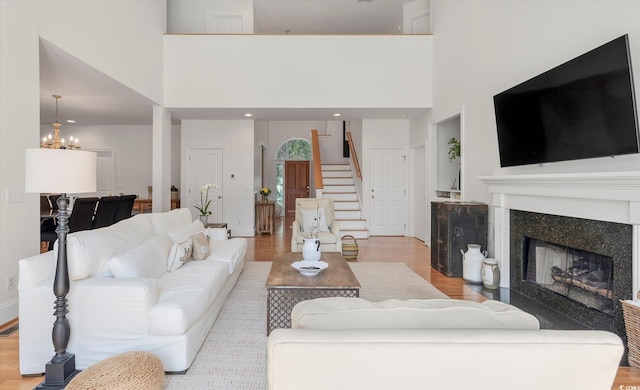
(45, 207)
(53, 200)
(106, 211)
(82, 214)
(81, 218)
(47, 221)
(125, 207)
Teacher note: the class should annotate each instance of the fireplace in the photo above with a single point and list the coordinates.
(582, 276)
(596, 212)
(578, 267)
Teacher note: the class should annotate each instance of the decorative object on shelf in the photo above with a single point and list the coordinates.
(265, 192)
(490, 274)
(56, 171)
(150, 192)
(55, 141)
(453, 184)
(454, 148)
(311, 249)
(310, 268)
(472, 261)
(203, 208)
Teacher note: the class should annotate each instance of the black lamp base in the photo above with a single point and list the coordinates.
(58, 375)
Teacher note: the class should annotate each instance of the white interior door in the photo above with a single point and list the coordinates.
(204, 166)
(419, 192)
(387, 193)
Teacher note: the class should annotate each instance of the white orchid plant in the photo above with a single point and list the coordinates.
(203, 208)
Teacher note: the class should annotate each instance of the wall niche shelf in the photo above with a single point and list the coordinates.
(445, 173)
(448, 194)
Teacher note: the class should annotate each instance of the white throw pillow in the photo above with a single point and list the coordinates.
(200, 246)
(182, 233)
(179, 255)
(309, 219)
(144, 261)
(218, 234)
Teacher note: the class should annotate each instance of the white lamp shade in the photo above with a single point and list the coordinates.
(60, 171)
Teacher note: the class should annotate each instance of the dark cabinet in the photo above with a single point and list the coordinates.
(453, 226)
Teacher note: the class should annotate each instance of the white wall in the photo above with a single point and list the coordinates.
(236, 139)
(191, 16)
(122, 39)
(474, 60)
(298, 71)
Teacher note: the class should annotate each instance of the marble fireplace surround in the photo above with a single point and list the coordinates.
(600, 196)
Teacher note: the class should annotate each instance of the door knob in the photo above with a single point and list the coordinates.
(219, 196)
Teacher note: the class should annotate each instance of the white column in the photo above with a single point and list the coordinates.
(161, 154)
(502, 233)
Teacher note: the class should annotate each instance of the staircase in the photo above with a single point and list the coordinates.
(339, 185)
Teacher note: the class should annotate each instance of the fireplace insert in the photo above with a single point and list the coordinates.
(579, 275)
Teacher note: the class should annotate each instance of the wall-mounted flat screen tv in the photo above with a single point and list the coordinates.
(584, 108)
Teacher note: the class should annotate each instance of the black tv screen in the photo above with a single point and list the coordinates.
(584, 108)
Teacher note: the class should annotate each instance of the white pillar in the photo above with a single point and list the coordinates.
(502, 238)
(161, 155)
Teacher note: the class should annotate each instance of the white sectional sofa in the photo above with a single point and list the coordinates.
(132, 288)
(349, 343)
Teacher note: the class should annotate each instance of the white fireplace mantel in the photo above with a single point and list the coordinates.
(603, 196)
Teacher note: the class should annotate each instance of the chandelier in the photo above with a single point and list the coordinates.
(54, 141)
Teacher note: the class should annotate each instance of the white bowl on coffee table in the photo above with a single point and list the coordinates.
(309, 267)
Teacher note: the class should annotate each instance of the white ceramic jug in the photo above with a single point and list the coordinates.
(490, 274)
(472, 263)
(311, 249)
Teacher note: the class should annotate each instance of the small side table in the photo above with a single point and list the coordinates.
(264, 217)
(221, 225)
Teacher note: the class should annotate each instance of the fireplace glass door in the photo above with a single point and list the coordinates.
(582, 276)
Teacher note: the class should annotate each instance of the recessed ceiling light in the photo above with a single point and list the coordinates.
(248, 114)
(70, 121)
(336, 114)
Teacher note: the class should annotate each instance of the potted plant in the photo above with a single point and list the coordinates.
(454, 148)
(454, 153)
(205, 202)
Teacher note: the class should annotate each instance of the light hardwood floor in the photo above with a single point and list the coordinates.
(382, 249)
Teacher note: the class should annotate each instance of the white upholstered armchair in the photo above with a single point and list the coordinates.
(306, 210)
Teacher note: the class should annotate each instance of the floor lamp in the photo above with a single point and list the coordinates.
(61, 171)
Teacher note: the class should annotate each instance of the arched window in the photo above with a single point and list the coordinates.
(293, 149)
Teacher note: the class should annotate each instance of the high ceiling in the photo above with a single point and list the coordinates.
(92, 98)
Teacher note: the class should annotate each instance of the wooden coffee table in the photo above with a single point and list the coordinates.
(286, 286)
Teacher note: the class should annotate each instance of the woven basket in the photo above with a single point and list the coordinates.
(631, 311)
(135, 370)
(350, 248)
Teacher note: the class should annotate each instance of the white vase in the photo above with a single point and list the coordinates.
(311, 249)
(490, 274)
(472, 264)
(204, 219)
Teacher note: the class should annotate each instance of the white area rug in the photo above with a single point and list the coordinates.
(234, 354)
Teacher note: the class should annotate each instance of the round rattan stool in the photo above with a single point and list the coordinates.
(130, 370)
